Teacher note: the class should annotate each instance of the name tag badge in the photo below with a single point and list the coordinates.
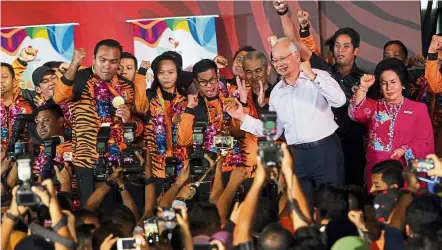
(67, 156)
(408, 112)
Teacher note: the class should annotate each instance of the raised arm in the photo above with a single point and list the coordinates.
(169, 196)
(64, 89)
(290, 28)
(362, 109)
(433, 69)
(141, 104)
(185, 127)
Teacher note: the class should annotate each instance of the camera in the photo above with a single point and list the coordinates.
(102, 169)
(151, 230)
(198, 164)
(172, 164)
(269, 151)
(25, 196)
(50, 151)
(17, 146)
(131, 158)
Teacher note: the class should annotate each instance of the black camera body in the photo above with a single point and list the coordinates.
(269, 151)
(102, 168)
(17, 146)
(130, 157)
(172, 164)
(198, 163)
(50, 151)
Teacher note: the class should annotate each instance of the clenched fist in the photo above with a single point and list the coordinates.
(367, 81)
(28, 54)
(79, 55)
(307, 70)
(192, 101)
(280, 6)
(145, 64)
(303, 18)
(221, 61)
(436, 43)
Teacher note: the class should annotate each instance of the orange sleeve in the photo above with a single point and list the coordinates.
(19, 68)
(185, 130)
(287, 223)
(64, 91)
(141, 105)
(140, 125)
(433, 75)
(235, 129)
(311, 44)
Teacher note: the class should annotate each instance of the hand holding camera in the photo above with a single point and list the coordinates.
(436, 171)
(184, 174)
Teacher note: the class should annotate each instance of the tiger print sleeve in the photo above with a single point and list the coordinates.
(185, 132)
(19, 67)
(433, 74)
(64, 91)
(307, 39)
(141, 105)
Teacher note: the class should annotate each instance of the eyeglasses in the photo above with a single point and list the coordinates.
(212, 81)
(282, 58)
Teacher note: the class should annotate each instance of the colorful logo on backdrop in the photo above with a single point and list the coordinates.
(54, 43)
(184, 35)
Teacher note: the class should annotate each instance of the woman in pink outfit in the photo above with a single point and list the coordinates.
(398, 128)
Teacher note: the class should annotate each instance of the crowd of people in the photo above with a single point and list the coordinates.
(93, 158)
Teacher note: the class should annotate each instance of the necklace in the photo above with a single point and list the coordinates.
(392, 111)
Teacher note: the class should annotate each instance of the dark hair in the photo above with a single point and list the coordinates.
(156, 67)
(330, 43)
(130, 56)
(423, 211)
(353, 34)
(275, 237)
(108, 43)
(400, 44)
(124, 217)
(52, 108)
(52, 64)
(396, 66)
(391, 171)
(84, 236)
(307, 243)
(101, 233)
(203, 66)
(267, 212)
(331, 202)
(10, 68)
(80, 214)
(246, 48)
(204, 219)
(356, 197)
(175, 55)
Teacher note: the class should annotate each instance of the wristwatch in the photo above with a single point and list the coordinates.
(121, 188)
(282, 13)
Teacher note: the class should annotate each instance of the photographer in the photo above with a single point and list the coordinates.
(48, 197)
(208, 107)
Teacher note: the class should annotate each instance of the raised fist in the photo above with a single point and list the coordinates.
(28, 54)
(221, 61)
(272, 40)
(280, 6)
(367, 81)
(145, 64)
(192, 101)
(436, 43)
(63, 67)
(79, 55)
(307, 69)
(303, 18)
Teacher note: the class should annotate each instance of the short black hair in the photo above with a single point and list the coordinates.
(353, 34)
(84, 234)
(156, 67)
(128, 55)
(203, 66)
(400, 44)
(309, 243)
(246, 48)
(52, 64)
(80, 214)
(331, 202)
(330, 43)
(275, 237)
(204, 219)
(396, 66)
(101, 233)
(175, 55)
(391, 171)
(108, 43)
(423, 211)
(10, 68)
(51, 107)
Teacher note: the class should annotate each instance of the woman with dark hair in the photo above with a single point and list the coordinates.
(167, 100)
(398, 128)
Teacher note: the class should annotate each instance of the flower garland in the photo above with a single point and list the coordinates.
(7, 119)
(234, 158)
(103, 100)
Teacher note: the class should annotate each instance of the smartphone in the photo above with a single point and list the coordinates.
(421, 165)
(223, 142)
(126, 244)
(151, 230)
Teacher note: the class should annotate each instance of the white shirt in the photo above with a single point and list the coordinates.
(303, 110)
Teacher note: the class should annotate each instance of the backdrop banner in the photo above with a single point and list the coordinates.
(54, 42)
(193, 37)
